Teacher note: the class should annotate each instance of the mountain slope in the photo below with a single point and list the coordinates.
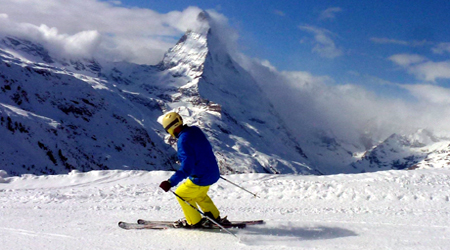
(84, 114)
(55, 119)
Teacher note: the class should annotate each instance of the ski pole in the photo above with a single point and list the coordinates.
(198, 210)
(239, 187)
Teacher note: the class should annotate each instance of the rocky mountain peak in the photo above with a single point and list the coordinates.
(188, 55)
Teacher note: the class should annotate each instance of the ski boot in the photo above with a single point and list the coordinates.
(207, 223)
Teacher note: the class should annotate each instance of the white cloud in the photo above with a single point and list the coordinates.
(385, 40)
(423, 68)
(311, 103)
(96, 27)
(329, 13)
(323, 43)
(389, 41)
(441, 48)
(431, 71)
(429, 93)
(227, 35)
(433, 108)
(81, 44)
(407, 59)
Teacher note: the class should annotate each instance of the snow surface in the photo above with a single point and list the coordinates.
(383, 210)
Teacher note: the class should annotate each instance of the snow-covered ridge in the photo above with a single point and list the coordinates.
(419, 150)
(89, 126)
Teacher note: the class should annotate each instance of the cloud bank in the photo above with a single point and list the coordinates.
(421, 67)
(315, 104)
(94, 28)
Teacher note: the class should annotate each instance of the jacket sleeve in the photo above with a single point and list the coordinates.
(187, 160)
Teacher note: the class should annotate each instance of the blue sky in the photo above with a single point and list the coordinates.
(351, 41)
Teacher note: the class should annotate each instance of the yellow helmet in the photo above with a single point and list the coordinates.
(171, 121)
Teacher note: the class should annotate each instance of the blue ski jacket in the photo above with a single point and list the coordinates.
(198, 162)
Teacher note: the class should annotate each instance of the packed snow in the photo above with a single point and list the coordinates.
(383, 210)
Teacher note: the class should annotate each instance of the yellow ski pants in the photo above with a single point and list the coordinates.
(197, 196)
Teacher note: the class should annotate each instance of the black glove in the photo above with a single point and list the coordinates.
(165, 185)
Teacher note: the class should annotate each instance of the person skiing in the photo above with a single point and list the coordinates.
(199, 166)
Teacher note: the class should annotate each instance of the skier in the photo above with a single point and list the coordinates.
(199, 166)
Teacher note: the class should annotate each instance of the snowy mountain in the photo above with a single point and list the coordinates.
(59, 114)
(418, 150)
(58, 117)
(241, 122)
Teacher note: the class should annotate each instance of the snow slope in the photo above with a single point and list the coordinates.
(382, 210)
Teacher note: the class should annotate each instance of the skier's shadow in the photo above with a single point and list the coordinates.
(265, 234)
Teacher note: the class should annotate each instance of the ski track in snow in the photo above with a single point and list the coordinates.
(387, 210)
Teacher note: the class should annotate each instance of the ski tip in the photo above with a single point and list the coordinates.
(121, 224)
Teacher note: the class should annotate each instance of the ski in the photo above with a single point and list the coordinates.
(247, 222)
(127, 225)
(160, 225)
